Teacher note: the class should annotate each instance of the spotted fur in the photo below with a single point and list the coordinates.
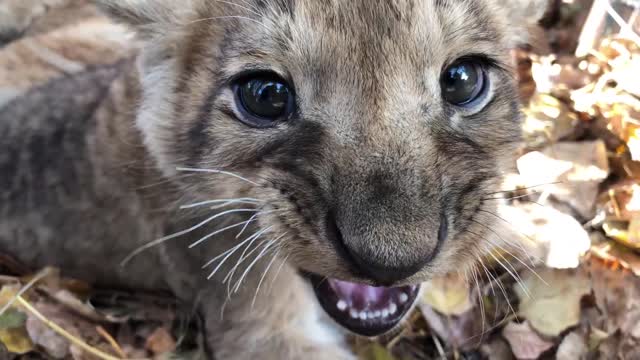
(369, 167)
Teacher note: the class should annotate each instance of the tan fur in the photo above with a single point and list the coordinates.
(49, 50)
(373, 152)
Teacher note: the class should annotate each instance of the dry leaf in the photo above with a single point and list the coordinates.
(375, 351)
(546, 233)
(525, 343)
(449, 295)
(42, 335)
(573, 347)
(554, 306)
(16, 340)
(573, 171)
(12, 319)
(618, 255)
(626, 233)
(617, 295)
(497, 349)
(160, 341)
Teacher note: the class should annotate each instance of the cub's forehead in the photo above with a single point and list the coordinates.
(327, 33)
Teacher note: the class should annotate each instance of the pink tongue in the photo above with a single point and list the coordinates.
(362, 296)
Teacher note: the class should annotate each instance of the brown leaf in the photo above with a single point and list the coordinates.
(617, 295)
(525, 342)
(160, 341)
(573, 346)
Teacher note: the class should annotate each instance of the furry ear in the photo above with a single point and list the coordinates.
(147, 17)
(522, 15)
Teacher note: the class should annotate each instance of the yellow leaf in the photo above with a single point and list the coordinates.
(16, 340)
(554, 302)
(634, 144)
(448, 295)
(626, 235)
(375, 351)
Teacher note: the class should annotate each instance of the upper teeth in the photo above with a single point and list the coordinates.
(393, 308)
(403, 298)
(368, 314)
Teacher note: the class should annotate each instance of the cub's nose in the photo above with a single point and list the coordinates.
(374, 257)
(382, 256)
(384, 274)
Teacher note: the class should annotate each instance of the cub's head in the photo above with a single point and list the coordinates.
(371, 133)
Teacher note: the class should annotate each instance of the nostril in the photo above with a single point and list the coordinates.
(443, 232)
(334, 235)
(365, 265)
(385, 274)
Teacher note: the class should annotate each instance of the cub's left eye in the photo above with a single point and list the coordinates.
(464, 83)
(263, 99)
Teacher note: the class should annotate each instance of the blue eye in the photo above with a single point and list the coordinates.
(463, 82)
(264, 99)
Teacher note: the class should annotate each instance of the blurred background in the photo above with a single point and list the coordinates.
(561, 283)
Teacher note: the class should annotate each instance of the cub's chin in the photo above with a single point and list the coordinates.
(363, 309)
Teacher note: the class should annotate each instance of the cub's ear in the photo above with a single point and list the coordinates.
(147, 17)
(522, 15)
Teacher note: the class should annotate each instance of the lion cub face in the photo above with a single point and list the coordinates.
(372, 133)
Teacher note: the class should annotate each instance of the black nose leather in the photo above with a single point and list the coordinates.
(384, 274)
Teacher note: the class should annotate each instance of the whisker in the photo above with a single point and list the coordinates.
(266, 247)
(481, 302)
(525, 188)
(514, 197)
(284, 261)
(213, 171)
(515, 275)
(251, 10)
(501, 287)
(519, 260)
(223, 202)
(230, 252)
(245, 255)
(180, 233)
(518, 245)
(223, 17)
(247, 224)
(203, 239)
(275, 256)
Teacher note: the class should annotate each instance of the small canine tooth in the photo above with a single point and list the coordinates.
(353, 313)
(385, 313)
(403, 298)
(363, 315)
(341, 305)
(393, 308)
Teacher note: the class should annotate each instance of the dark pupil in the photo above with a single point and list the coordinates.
(461, 83)
(265, 98)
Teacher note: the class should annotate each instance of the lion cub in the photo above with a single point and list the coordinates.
(295, 168)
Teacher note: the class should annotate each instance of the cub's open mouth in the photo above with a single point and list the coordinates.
(365, 310)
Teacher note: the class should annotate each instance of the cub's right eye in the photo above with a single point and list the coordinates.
(263, 100)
